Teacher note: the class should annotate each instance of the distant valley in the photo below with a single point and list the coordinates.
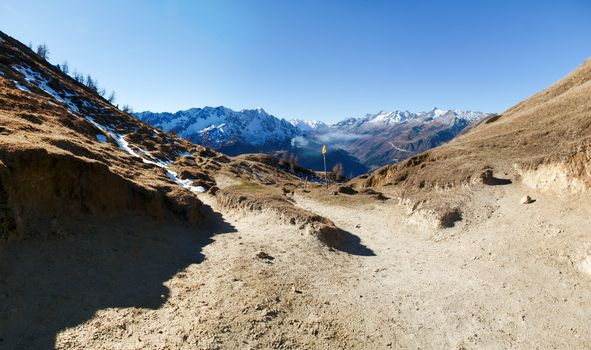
(359, 144)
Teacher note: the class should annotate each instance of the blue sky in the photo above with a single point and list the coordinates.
(321, 60)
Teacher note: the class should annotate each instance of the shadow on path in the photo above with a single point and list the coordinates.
(496, 181)
(351, 244)
(49, 285)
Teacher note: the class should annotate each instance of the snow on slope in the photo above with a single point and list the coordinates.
(131, 150)
(36, 79)
(39, 81)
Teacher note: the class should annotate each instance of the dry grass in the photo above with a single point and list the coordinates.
(331, 197)
(54, 166)
(253, 187)
(553, 126)
(58, 138)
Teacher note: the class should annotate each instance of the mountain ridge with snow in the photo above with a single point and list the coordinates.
(221, 127)
(256, 131)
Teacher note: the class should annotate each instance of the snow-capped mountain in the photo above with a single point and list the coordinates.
(308, 125)
(221, 128)
(360, 143)
(386, 137)
(384, 119)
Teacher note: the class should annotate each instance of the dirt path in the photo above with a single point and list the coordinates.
(504, 277)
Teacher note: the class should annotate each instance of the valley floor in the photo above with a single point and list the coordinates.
(506, 276)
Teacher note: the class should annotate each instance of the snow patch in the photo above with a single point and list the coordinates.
(38, 80)
(21, 87)
(101, 138)
(187, 183)
(217, 128)
(184, 154)
(397, 148)
(124, 145)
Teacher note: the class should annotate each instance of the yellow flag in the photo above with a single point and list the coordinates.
(323, 149)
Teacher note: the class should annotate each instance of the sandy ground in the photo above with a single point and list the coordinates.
(506, 276)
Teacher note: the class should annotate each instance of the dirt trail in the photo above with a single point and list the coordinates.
(506, 276)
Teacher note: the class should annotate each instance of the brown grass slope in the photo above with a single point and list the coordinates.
(544, 141)
(53, 166)
(66, 152)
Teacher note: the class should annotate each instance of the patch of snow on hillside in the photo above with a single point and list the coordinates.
(101, 138)
(381, 117)
(397, 148)
(87, 104)
(212, 127)
(38, 80)
(200, 124)
(124, 145)
(119, 139)
(187, 183)
(184, 154)
(21, 87)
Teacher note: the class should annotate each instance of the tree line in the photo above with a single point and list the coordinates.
(87, 80)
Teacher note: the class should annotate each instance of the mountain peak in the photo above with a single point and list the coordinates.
(308, 125)
(258, 110)
(253, 127)
(389, 118)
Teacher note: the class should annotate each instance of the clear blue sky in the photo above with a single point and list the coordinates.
(311, 59)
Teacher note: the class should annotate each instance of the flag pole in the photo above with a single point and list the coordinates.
(324, 157)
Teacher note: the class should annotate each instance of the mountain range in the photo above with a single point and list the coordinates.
(360, 144)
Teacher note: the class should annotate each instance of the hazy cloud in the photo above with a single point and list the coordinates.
(337, 136)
